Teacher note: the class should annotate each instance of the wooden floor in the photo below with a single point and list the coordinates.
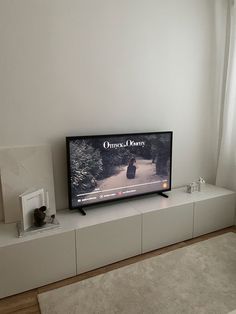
(27, 302)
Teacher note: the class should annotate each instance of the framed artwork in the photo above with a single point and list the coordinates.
(29, 201)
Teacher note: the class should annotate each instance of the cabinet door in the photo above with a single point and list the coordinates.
(107, 243)
(214, 214)
(37, 262)
(167, 226)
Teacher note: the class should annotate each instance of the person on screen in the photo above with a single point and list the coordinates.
(131, 169)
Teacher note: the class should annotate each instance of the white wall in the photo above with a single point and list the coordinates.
(74, 67)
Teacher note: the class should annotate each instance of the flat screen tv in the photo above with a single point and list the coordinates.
(105, 168)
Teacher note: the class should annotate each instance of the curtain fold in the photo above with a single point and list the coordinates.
(226, 169)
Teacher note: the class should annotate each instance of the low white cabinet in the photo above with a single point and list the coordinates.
(109, 233)
(33, 263)
(107, 243)
(213, 214)
(166, 226)
(182, 216)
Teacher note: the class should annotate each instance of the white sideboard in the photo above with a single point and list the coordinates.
(35, 262)
(184, 216)
(107, 243)
(213, 214)
(166, 226)
(109, 233)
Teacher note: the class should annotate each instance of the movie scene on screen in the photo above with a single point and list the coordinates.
(111, 167)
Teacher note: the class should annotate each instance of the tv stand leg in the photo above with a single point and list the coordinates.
(162, 194)
(83, 212)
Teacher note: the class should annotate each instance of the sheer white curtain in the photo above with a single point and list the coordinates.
(226, 170)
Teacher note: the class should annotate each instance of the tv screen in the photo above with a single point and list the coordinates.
(110, 167)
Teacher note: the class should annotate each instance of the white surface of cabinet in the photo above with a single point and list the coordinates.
(37, 262)
(107, 243)
(167, 226)
(213, 214)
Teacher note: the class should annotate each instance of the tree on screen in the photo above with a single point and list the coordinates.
(86, 166)
(161, 154)
(112, 159)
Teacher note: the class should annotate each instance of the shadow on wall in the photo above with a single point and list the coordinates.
(60, 172)
(1, 202)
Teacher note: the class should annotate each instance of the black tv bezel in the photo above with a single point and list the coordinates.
(69, 138)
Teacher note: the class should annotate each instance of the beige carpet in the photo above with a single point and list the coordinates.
(197, 279)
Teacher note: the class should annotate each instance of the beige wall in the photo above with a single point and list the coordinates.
(74, 67)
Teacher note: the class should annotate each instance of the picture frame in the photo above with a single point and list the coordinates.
(29, 201)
